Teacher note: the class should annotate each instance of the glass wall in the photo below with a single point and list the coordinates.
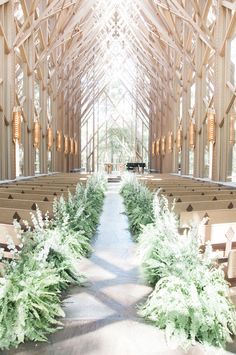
(20, 98)
(191, 113)
(114, 125)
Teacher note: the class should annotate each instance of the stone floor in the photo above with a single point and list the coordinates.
(101, 318)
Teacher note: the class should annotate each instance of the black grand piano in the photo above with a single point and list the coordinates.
(136, 167)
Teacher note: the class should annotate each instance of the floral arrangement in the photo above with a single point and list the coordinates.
(31, 284)
(190, 300)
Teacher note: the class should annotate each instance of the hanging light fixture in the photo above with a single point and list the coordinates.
(179, 138)
(192, 134)
(163, 145)
(158, 147)
(50, 138)
(16, 125)
(36, 134)
(232, 130)
(211, 128)
(59, 141)
(71, 146)
(66, 144)
(170, 142)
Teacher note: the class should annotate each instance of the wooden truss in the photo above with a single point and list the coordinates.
(48, 47)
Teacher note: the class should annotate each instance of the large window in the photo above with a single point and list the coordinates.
(231, 140)
(191, 161)
(193, 96)
(206, 152)
(233, 61)
(37, 109)
(192, 113)
(20, 98)
(49, 124)
(115, 124)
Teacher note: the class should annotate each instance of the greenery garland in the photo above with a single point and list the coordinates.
(190, 299)
(31, 284)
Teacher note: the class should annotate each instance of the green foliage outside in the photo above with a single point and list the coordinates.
(31, 284)
(190, 299)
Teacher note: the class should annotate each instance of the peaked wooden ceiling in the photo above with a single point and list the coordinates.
(73, 36)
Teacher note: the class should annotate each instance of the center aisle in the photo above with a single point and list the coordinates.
(101, 318)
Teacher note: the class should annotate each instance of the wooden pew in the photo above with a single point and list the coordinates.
(44, 185)
(44, 206)
(216, 233)
(26, 196)
(49, 191)
(7, 231)
(7, 234)
(37, 187)
(179, 193)
(204, 205)
(197, 197)
(7, 215)
(215, 217)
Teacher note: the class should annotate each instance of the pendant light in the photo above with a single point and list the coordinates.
(158, 146)
(66, 144)
(211, 127)
(16, 125)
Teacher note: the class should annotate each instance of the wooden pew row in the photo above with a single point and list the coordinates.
(59, 179)
(177, 193)
(50, 191)
(178, 180)
(179, 183)
(215, 217)
(38, 187)
(8, 233)
(63, 181)
(30, 196)
(217, 233)
(186, 188)
(183, 185)
(204, 205)
(173, 183)
(197, 197)
(27, 205)
(7, 215)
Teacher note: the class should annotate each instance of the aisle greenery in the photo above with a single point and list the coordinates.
(138, 203)
(190, 299)
(31, 286)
